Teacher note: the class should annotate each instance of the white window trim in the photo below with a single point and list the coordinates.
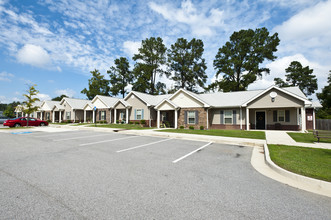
(188, 117)
(140, 114)
(278, 111)
(103, 115)
(68, 114)
(228, 117)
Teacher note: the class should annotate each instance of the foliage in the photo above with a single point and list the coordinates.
(120, 76)
(59, 98)
(97, 85)
(225, 133)
(131, 122)
(181, 127)
(10, 111)
(136, 123)
(238, 60)
(143, 122)
(202, 127)
(325, 99)
(152, 56)
(186, 64)
(311, 162)
(299, 76)
(31, 98)
(4, 106)
(191, 127)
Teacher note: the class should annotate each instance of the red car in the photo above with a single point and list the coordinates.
(22, 121)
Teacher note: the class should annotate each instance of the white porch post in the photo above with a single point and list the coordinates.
(314, 121)
(74, 116)
(158, 119)
(241, 118)
(127, 115)
(176, 118)
(298, 117)
(53, 116)
(247, 119)
(41, 115)
(93, 120)
(60, 119)
(84, 116)
(115, 116)
(109, 116)
(303, 119)
(207, 120)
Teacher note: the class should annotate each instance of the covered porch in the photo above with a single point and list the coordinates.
(58, 112)
(167, 114)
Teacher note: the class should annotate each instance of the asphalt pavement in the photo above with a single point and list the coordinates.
(96, 175)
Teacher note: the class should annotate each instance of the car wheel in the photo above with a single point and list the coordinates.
(42, 124)
(17, 125)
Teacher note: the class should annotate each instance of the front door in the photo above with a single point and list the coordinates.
(260, 120)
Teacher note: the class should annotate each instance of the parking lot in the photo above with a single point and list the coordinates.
(103, 175)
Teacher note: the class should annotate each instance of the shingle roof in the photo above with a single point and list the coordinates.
(151, 99)
(76, 103)
(108, 100)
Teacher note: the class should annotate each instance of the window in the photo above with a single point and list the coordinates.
(103, 115)
(47, 115)
(191, 117)
(139, 114)
(281, 115)
(228, 116)
(68, 115)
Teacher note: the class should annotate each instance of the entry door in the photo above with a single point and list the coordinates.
(260, 120)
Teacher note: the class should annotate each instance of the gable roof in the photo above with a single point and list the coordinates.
(75, 103)
(193, 95)
(107, 100)
(168, 101)
(150, 100)
(126, 104)
(50, 105)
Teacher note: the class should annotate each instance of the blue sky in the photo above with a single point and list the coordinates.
(55, 44)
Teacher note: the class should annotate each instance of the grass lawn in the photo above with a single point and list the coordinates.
(225, 133)
(121, 126)
(306, 137)
(311, 162)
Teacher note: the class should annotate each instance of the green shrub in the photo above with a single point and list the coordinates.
(167, 124)
(136, 122)
(202, 128)
(117, 121)
(49, 121)
(191, 127)
(131, 122)
(181, 127)
(143, 122)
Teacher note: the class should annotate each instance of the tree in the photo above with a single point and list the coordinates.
(97, 85)
(325, 99)
(299, 76)
(152, 56)
(239, 59)
(10, 111)
(59, 98)
(186, 63)
(120, 76)
(31, 98)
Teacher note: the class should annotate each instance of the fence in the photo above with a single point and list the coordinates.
(323, 124)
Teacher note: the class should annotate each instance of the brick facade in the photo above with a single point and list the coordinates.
(107, 110)
(202, 120)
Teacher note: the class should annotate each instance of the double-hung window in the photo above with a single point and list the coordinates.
(47, 115)
(68, 115)
(103, 115)
(191, 117)
(228, 117)
(281, 115)
(139, 114)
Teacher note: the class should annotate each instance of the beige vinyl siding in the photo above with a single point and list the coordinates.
(282, 100)
(185, 101)
(137, 103)
(99, 104)
(120, 106)
(67, 108)
(216, 116)
(166, 106)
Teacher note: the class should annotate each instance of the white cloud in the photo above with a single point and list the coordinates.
(131, 47)
(43, 97)
(201, 24)
(68, 92)
(4, 76)
(33, 55)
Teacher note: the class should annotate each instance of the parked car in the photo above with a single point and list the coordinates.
(22, 121)
(3, 119)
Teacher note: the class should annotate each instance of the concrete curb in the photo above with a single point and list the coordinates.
(303, 182)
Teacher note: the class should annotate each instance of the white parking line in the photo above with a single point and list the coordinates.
(117, 139)
(64, 133)
(131, 148)
(200, 148)
(73, 138)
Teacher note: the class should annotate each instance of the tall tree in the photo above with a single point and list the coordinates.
(97, 85)
(10, 111)
(59, 98)
(239, 59)
(325, 99)
(151, 56)
(299, 76)
(120, 76)
(30, 96)
(186, 63)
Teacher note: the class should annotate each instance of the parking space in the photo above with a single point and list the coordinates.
(102, 175)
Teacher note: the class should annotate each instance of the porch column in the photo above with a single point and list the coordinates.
(176, 120)
(207, 120)
(60, 116)
(241, 118)
(53, 116)
(247, 119)
(314, 121)
(158, 119)
(41, 115)
(149, 113)
(303, 119)
(115, 116)
(109, 116)
(74, 116)
(93, 120)
(16, 113)
(84, 116)
(127, 115)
